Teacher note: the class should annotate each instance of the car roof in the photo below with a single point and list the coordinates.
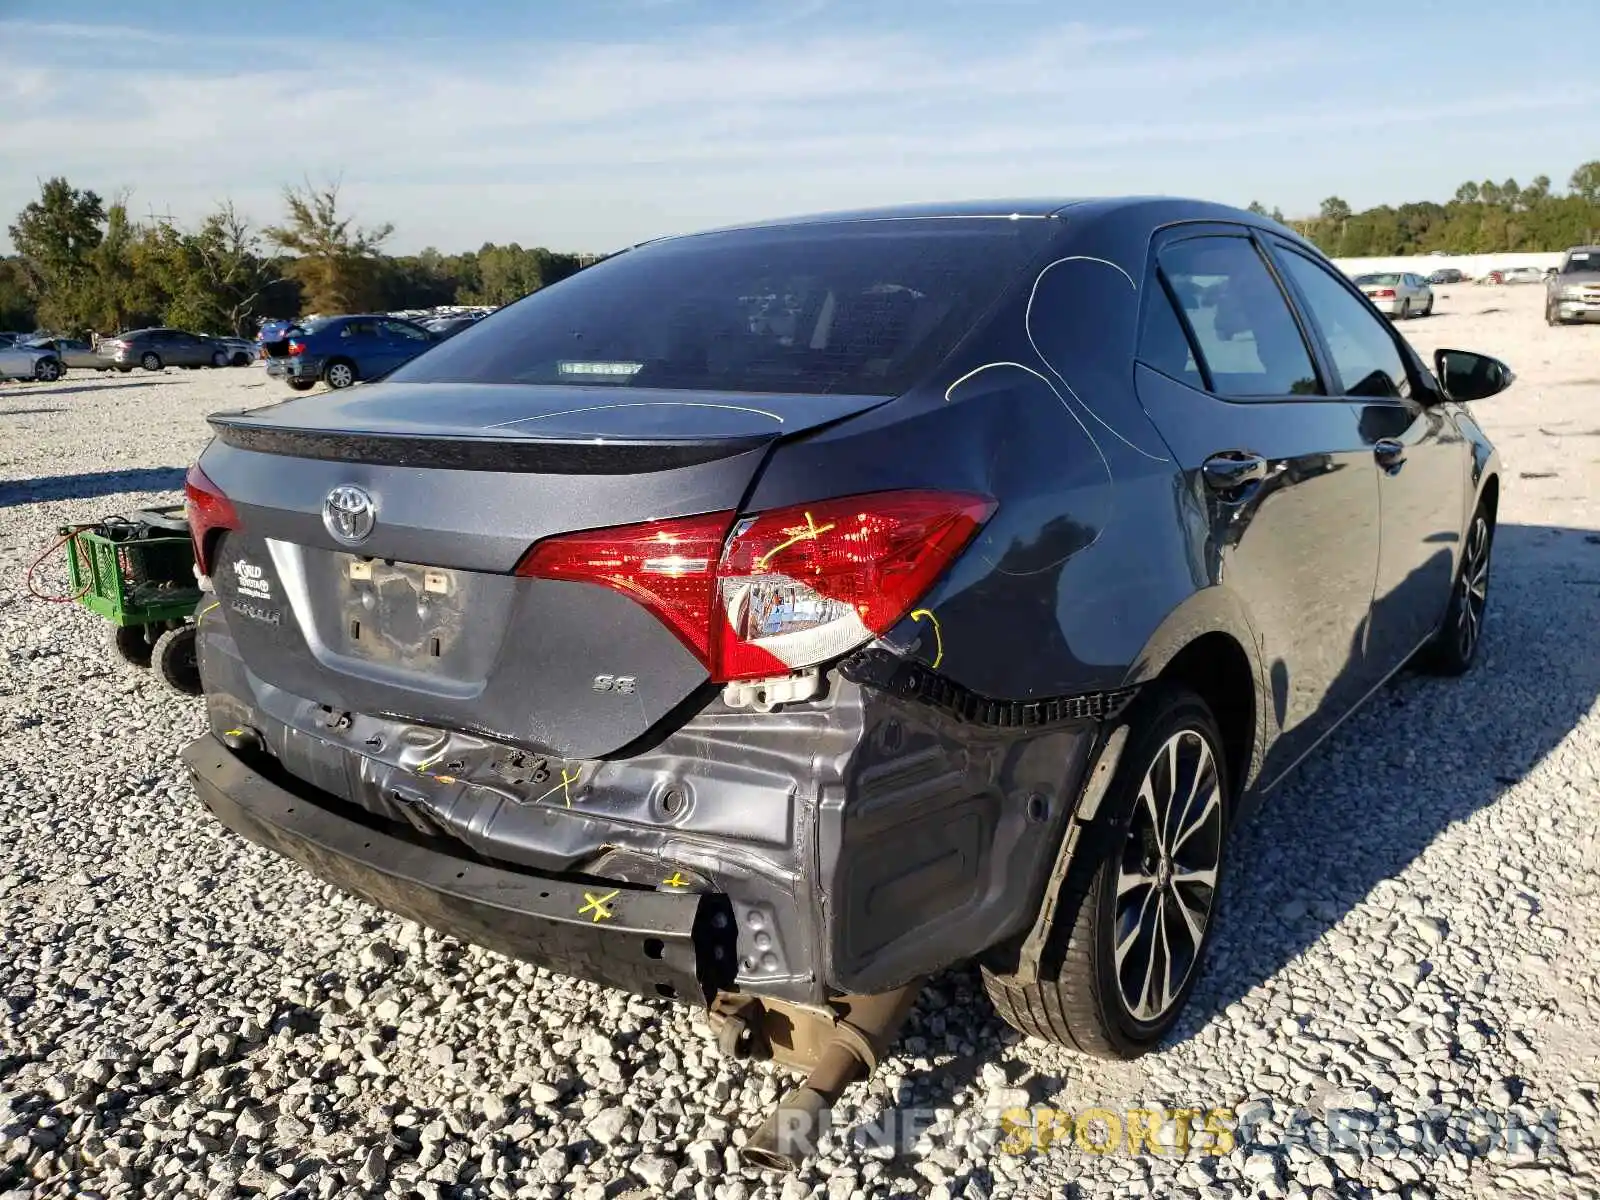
(1185, 208)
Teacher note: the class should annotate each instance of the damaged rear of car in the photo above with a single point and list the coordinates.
(767, 619)
(569, 610)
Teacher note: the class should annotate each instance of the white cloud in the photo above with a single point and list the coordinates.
(589, 144)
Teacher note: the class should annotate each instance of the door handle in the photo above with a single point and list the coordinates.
(1391, 455)
(1232, 471)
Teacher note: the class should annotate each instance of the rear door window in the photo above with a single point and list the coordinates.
(1242, 324)
(1359, 341)
(1164, 343)
(402, 332)
(865, 307)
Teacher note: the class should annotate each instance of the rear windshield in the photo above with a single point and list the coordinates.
(864, 308)
(1363, 280)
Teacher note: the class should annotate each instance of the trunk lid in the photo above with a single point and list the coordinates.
(423, 619)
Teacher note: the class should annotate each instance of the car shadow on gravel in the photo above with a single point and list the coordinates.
(104, 385)
(1421, 755)
(86, 486)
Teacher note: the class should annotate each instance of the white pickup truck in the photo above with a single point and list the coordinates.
(1573, 292)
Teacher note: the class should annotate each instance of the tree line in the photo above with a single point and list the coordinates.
(1482, 218)
(83, 264)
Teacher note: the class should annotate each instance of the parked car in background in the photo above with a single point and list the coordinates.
(154, 349)
(1573, 292)
(446, 327)
(1447, 275)
(21, 361)
(1522, 275)
(78, 355)
(343, 350)
(1398, 294)
(696, 626)
(241, 351)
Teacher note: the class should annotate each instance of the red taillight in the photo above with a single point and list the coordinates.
(667, 566)
(296, 347)
(787, 589)
(1382, 294)
(208, 511)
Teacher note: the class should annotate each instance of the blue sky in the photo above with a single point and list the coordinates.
(589, 125)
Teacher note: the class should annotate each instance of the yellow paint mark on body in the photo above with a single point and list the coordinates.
(676, 880)
(597, 905)
(563, 787)
(938, 635)
(810, 533)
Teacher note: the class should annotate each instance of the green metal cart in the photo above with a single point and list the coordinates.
(138, 573)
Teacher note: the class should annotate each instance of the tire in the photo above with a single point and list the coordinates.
(1405, 310)
(47, 370)
(302, 385)
(339, 373)
(151, 361)
(128, 642)
(1081, 998)
(174, 659)
(124, 370)
(1428, 311)
(220, 359)
(1454, 648)
(241, 359)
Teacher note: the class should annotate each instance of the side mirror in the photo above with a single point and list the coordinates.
(1469, 376)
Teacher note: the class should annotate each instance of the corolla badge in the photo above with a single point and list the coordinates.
(349, 513)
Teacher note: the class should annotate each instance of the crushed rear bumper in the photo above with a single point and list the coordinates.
(881, 832)
(678, 945)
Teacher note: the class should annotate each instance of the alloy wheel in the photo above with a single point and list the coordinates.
(340, 376)
(1474, 587)
(1167, 878)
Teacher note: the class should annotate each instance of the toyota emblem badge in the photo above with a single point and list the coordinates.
(349, 513)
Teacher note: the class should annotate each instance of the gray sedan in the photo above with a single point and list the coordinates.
(154, 349)
(1399, 294)
(74, 354)
(29, 362)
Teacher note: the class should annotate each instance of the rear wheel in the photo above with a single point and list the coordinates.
(1132, 923)
(302, 385)
(47, 370)
(175, 660)
(339, 374)
(1454, 647)
(219, 359)
(130, 644)
(1405, 310)
(151, 361)
(1427, 309)
(241, 359)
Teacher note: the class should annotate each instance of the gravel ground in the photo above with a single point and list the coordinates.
(1410, 933)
